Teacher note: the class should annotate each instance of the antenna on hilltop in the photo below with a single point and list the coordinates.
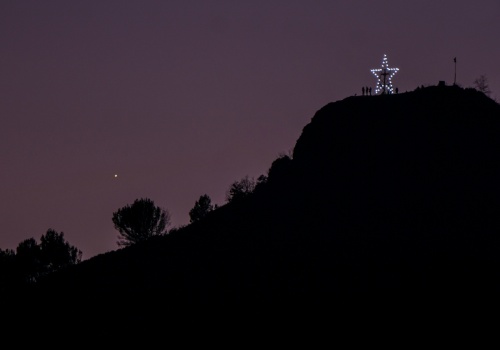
(455, 79)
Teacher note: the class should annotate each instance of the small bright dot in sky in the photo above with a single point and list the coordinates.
(116, 175)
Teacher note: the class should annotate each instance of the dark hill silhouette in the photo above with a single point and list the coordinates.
(388, 200)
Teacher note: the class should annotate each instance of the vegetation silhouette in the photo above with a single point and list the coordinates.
(240, 189)
(140, 221)
(481, 84)
(201, 208)
(387, 203)
(31, 261)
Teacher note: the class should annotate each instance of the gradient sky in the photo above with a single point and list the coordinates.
(181, 98)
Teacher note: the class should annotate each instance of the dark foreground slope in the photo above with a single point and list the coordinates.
(389, 200)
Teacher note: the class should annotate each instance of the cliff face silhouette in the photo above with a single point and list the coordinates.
(387, 199)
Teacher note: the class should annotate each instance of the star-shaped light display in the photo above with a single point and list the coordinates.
(384, 76)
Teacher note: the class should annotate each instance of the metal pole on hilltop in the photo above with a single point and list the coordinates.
(455, 79)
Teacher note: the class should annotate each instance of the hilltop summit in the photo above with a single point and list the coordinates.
(392, 197)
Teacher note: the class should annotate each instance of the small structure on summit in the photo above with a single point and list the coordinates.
(384, 77)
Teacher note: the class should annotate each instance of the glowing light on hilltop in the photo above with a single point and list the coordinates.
(384, 77)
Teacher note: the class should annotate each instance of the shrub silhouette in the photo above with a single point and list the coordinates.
(240, 189)
(481, 84)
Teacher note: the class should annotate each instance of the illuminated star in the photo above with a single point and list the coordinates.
(384, 76)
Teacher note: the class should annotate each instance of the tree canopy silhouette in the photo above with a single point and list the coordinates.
(481, 84)
(31, 260)
(56, 253)
(28, 264)
(140, 221)
(240, 189)
(201, 208)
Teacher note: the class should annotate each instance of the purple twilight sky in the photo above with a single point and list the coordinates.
(181, 98)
